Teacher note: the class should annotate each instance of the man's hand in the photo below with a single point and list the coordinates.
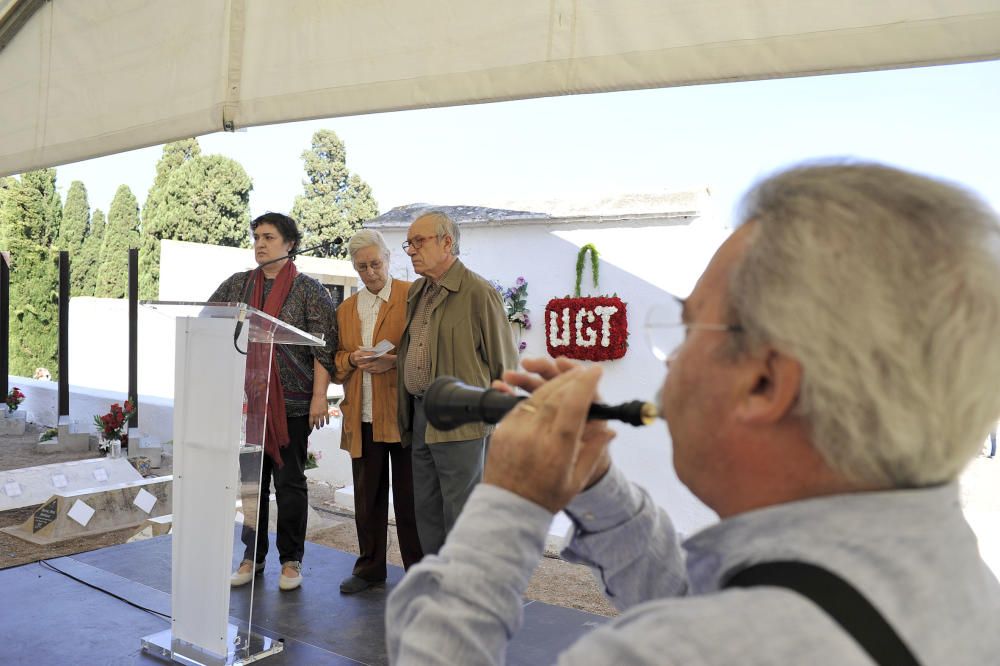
(545, 450)
(318, 411)
(377, 366)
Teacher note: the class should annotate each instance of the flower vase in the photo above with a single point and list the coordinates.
(112, 447)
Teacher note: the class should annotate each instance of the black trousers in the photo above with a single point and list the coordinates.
(292, 497)
(371, 505)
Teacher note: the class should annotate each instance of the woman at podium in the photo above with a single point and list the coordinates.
(295, 401)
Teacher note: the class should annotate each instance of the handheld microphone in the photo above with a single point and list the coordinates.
(329, 247)
(450, 403)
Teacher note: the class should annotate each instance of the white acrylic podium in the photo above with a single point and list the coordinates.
(217, 470)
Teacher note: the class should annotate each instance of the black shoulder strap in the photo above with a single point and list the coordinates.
(839, 599)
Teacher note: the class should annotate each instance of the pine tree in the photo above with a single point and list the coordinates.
(335, 202)
(121, 233)
(206, 199)
(44, 181)
(90, 255)
(156, 214)
(33, 295)
(72, 233)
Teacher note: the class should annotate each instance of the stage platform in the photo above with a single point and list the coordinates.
(48, 618)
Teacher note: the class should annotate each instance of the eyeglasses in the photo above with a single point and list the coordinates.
(374, 265)
(417, 242)
(664, 322)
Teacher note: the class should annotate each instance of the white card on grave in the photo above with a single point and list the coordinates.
(12, 488)
(101, 474)
(59, 480)
(81, 512)
(145, 500)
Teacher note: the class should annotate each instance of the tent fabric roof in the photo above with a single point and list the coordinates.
(81, 79)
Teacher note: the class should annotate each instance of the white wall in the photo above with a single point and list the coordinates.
(192, 271)
(641, 262)
(41, 403)
(98, 340)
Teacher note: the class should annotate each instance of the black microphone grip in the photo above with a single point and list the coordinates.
(449, 403)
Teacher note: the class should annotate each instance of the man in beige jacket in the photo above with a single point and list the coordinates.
(456, 325)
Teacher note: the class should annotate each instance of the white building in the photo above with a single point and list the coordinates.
(650, 245)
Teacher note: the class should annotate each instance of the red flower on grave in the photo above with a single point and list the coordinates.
(114, 424)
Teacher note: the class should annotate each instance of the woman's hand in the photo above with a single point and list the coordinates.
(377, 365)
(319, 414)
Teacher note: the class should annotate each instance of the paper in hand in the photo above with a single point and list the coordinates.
(383, 347)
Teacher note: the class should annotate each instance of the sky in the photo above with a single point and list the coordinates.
(940, 121)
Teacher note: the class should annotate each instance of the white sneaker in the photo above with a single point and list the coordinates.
(290, 582)
(242, 578)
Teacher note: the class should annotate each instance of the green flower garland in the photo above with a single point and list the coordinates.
(594, 266)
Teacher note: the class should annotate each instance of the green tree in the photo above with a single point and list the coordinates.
(7, 184)
(205, 199)
(89, 263)
(44, 181)
(121, 233)
(155, 214)
(73, 232)
(33, 295)
(335, 201)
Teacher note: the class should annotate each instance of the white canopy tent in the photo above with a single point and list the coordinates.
(83, 78)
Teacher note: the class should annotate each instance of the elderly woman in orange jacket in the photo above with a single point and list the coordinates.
(370, 431)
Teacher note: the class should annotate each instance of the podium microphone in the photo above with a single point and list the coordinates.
(329, 247)
(450, 403)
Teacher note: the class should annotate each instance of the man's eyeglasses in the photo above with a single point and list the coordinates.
(666, 328)
(374, 265)
(417, 241)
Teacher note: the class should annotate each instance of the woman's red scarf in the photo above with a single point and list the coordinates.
(267, 398)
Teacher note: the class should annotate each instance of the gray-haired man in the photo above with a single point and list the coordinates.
(456, 325)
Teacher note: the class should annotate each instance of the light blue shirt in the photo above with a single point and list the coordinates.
(910, 552)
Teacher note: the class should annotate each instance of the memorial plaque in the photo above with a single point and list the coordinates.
(45, 515)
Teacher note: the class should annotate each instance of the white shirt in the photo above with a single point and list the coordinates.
(368, 307)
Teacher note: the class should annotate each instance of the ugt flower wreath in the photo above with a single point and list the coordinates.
(589, 328)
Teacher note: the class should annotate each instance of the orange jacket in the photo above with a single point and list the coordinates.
(390, 325)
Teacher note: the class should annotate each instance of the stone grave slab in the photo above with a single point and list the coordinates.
(96, 510)
(28, 486)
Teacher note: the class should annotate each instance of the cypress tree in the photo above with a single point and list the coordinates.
(156, 214)
(73, 232)
(90, 255)
(121, 233)
(201, 199)
(33, 294)
(335, 201)
(44, 181)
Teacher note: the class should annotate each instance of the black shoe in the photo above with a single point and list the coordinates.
(354, 584)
